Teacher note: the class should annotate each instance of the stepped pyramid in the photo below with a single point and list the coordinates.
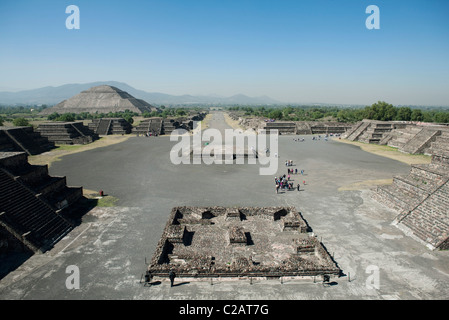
(23, 139)
(32, 204)
(101, 99)
(421, 199)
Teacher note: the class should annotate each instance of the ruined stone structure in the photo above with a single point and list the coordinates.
(153, 125)
(304, 127)
(422, 201)
(239, 242)
(291, 127)
(160, 126)
(421, 198)
(406, 136)
(106, 126)
(101, 99)
(67, 132)
(23, 139)
(172, 124)
(281, 127)
(370, 131)
(307, 127)
(31, 204)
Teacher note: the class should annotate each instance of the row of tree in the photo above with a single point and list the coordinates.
(167, 112)
(18, 122)
(378, 111)
(68, 117)
(31, 110)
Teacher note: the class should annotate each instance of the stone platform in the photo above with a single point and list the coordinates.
(67, 132)
(240, 242)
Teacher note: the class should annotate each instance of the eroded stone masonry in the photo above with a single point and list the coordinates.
(422, 200)
(239, 242)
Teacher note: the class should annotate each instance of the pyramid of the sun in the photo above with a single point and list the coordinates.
(101, 99)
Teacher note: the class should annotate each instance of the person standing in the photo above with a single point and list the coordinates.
(172, 277)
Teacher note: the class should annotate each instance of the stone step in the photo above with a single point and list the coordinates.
(358, 131)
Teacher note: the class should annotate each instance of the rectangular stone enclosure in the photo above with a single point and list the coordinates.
(240, 242)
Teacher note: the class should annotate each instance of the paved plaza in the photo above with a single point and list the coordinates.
(111, 245)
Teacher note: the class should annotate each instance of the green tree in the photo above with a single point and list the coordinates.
(442, 117)
(53, 116)
(404, 114)
(66, 117)
(129, 118)
(417, 115)
(276, 114)
(20, 122)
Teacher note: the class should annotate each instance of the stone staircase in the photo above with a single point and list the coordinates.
(153, 125)
(170, 125)
(417, 139)
(402, 136)
(375, 132)
(106, 126)
(422, 201)
(28, 218)
(430, 220)
(103, 127)
(440, 146)
(358, 129)
(53, 190)
(67, 132)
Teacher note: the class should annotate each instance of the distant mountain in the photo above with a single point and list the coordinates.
(53, 95)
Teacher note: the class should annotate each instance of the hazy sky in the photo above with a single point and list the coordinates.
(295, 51)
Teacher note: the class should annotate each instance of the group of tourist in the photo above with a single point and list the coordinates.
(284, 183)
(151, 134)
(291, 171)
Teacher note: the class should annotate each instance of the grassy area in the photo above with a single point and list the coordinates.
(390, 152)
(367, 184)
(93, 199)
(63, 150)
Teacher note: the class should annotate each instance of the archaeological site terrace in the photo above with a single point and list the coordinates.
(240, 242)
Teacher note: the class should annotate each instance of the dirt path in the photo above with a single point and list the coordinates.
(234, 124)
